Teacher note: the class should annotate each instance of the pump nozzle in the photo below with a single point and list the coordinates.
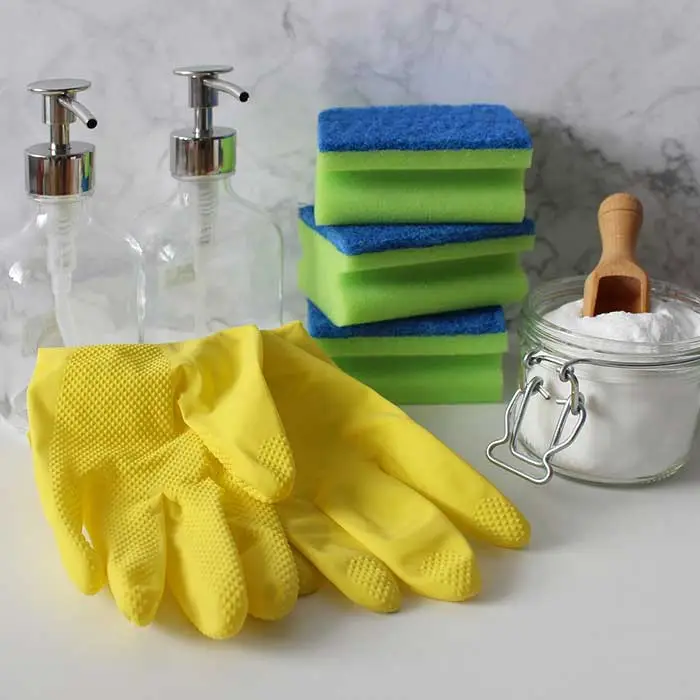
(59, 167)
(79, 110)
(227, 87)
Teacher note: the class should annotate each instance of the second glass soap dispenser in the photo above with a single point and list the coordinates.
(211, 260)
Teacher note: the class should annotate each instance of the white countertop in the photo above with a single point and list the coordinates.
(604, 604)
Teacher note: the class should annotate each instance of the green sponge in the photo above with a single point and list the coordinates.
(408, 196)
(430, 380)
(416, 346)
(400, 283)
(442, 358)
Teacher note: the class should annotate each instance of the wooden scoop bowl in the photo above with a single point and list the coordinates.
(618, 283)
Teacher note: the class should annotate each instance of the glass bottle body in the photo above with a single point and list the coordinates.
(65, 280)
(211, 260)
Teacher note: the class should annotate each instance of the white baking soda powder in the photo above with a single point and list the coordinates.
(640, 422)
(668, 322)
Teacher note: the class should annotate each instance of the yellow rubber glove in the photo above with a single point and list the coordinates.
(376, 498)
(170, 457)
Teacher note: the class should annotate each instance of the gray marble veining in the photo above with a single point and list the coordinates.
(609, 88)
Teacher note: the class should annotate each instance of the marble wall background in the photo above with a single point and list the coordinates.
(609, 88)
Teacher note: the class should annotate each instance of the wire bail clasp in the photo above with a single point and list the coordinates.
(572, 407)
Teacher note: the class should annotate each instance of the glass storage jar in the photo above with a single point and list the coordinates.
(599, 410)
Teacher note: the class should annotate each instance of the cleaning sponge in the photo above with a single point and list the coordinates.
(442, 358)
(435, 163)
(448, 267)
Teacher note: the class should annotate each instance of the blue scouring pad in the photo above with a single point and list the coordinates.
(380, 238)
(421, 128)
(456, 333)
(471, 322)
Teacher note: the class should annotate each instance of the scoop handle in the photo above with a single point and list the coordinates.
(619, 220)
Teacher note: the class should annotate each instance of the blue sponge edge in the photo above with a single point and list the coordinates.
(471, 322)
(378, 238)
(421, 128)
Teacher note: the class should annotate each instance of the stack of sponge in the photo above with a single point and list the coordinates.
(413, 244)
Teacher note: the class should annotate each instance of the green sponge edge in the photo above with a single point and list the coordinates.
(419, 196)
(416, 346)
(365, 296)
(430, 380)
(328, 254)
(485, 159)
(402, 292)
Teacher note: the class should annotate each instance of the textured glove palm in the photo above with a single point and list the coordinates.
(169, 457)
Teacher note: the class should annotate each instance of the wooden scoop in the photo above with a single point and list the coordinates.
(617, 283)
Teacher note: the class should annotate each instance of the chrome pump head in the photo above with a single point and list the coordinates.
(61, 167)
(205, 150)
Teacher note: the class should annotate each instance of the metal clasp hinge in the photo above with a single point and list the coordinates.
(573, 406)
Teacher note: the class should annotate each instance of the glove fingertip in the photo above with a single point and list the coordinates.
(225, 626)
(500, 522)
(310, 579)
(371, 585)
(267, 475)
(84, 567)
(276, 458)
(450, 575)
(138, 605)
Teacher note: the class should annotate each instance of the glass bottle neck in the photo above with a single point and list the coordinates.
(60, 217)
(203, 196)
(196, 189)
(75, 205)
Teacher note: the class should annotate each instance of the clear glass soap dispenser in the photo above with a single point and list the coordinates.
(65, 279)
(211, 259)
